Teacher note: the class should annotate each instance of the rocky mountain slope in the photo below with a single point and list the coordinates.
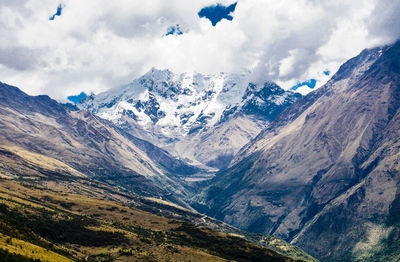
(188, 114)
(38, 129)
(327, 170)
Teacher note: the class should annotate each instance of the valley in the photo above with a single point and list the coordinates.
(75, 187)
(200, 131)
(327, 158)
(51, 226)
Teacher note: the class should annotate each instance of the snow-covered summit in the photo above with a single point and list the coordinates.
(175, 105)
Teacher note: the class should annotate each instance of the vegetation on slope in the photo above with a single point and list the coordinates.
(53, 226)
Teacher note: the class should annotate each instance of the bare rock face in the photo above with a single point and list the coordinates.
(204, 119)
(325, 174)
(216, 146)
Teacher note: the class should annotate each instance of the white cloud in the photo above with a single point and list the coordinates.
(304, 90)
(98, 44)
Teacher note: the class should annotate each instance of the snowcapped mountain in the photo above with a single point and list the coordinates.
(166, 108)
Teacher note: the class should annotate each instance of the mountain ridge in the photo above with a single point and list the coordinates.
(88, 144)
(317, 155)
(170, 110)
(72, 185)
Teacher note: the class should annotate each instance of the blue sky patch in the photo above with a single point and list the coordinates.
(216, 13)
(327, 72)
(174, 30)
(310, 83)
(58, 13)
(77, 98)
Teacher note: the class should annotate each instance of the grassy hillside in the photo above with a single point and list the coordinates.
(48, 182)
(53, 226)
(41, 198)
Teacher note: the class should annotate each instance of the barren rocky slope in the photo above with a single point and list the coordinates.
(327, 170)
(38, 129)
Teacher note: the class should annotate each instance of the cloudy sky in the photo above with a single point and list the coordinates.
(64, 47)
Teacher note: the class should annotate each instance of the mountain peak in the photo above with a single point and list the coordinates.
(164, 107)
(157, 73)
(179, 101)
(358, 65)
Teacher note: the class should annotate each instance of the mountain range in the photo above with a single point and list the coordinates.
(41, 129)
(73, 185)
(202, 119)
(215, 153)
(325, 173)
